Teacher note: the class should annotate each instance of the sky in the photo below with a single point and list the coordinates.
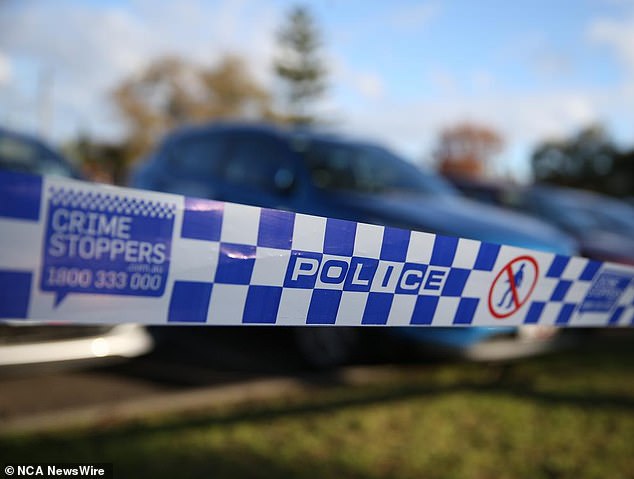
(399, 71)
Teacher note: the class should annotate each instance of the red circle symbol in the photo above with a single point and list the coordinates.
(514, 290)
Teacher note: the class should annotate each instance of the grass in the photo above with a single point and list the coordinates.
(569, 415)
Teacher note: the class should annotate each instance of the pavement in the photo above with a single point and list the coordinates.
(193, 373)
(142, 402)
(194, 370)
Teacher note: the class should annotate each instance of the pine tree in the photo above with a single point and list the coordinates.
(300, 66)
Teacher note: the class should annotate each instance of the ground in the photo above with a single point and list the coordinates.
(564, 415)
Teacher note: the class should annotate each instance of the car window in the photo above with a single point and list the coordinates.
(566, 213)
(254, 161)
(27, 156)
(199, 156)
(366, 169)
(17, 153)
(610, 215)
(614, 214)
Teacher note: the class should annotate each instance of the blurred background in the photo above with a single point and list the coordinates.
(517, 91)
(509, 122)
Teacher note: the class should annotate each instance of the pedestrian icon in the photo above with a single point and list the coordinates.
(511, 292)
(513, 286)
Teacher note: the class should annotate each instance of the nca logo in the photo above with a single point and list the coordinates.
(30, 471)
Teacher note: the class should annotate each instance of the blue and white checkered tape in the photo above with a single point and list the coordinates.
(78, 252)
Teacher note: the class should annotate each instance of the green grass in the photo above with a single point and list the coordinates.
(569, 415)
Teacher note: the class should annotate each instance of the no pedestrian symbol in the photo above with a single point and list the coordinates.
(513, 286)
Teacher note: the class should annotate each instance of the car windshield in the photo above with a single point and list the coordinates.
(613, 215)
(27, 156)
(367, 169)
(569, 213)
(581, 213)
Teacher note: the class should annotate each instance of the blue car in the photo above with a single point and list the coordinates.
(602, 226)
(329, 175)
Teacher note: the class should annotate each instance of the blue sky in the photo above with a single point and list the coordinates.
(400, 71)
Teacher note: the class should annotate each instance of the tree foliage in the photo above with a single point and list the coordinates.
(588, 160)
(100, 161)
(299, 65)
(466, 149)
(172, 92)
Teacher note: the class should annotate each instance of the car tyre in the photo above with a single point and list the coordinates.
(326, 347)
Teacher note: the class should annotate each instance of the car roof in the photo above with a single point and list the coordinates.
(21, 136)
(566, 193)
(283, 132)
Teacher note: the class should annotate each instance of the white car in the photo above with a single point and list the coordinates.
(26, 344)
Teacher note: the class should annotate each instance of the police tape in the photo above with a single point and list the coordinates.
(78, 252)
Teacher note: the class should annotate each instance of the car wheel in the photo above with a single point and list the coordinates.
(326, 347)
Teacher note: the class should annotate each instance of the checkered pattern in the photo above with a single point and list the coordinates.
(110, 203)
(277, 267)
(236, 264)
(556, 297)
(567, 289)
(363, 274)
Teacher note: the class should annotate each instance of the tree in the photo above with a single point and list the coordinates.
(99, 161)
(231, 92)
(300, 66)
(587, 160)
(172, 92)
(466, 150)
(153, 101)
